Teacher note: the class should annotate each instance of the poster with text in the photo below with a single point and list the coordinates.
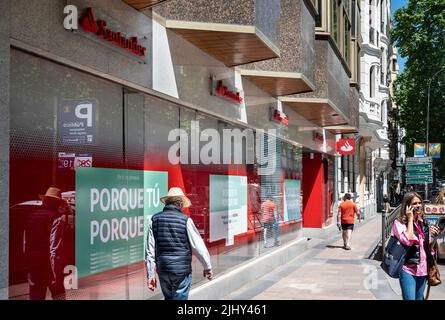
(228, 207)
(78, 122)
(292, 209)
(112, 206)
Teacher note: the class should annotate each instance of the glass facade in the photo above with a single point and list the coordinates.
(112, 152)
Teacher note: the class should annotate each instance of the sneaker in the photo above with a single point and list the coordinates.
(347, 248)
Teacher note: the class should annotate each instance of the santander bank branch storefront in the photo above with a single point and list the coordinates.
(86, 118)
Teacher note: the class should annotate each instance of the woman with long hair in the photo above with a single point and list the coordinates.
(440, 199)
(412, 230)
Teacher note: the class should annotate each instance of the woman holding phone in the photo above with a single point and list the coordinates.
(412, 230)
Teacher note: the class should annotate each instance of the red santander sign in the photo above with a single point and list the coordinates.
(346, 146)
(99, 27)
(223, 91)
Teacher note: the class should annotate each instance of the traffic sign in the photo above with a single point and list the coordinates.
(419, 160)
(419, 180)
(419, 174)
(415, 166)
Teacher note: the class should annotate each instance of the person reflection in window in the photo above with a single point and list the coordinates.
(270, 217)
(44, 231)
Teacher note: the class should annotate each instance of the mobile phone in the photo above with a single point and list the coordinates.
(440, 223)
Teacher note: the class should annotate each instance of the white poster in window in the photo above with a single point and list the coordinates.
(228, 207)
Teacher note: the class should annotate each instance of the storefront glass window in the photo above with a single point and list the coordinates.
(100, 144)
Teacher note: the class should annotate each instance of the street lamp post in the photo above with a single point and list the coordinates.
(428, 124)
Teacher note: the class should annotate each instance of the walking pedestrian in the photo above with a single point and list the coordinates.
(440, 199)
(346, 212)
(171, 237)
(44, 232)
(386, 206)
(412, 230)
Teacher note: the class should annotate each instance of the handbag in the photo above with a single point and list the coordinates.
(433, 275)
(394, 257)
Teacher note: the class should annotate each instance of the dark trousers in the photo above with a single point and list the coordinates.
(271, 229)
(175, 286)
(39, 281)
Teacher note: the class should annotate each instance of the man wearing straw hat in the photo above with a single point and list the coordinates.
(44, 246)
(171, 237)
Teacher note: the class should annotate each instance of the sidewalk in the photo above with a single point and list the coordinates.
(327, 271)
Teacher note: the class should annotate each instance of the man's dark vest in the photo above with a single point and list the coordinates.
(413, 254)
(173, 252)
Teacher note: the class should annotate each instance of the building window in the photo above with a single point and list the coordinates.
(319, 16)
(346, 4)
(372, 81)
(368, 174)
(382, 16)
(334, 21)
(370, 13)
(358, 64)
(353, 19)
(347, 38)
(382, 67)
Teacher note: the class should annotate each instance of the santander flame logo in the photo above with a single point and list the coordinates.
(89, 23)
(346, 146)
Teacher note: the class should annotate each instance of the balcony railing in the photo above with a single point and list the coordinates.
(372, 110)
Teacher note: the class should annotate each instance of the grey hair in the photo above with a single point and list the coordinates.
(176, 201)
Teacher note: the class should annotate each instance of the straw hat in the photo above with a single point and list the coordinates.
(52, 193)
(177, 192)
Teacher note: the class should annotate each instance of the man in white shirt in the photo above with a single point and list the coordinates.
(171, 238)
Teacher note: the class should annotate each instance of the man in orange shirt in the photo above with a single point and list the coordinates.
(346, 212)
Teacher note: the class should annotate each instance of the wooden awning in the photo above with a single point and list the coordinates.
(231, 44)
(342, 129)
(278, 83)
(143, 4)
(319, 111)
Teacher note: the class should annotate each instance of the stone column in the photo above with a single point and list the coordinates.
(4, 147)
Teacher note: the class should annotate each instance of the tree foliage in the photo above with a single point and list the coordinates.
(419, 35)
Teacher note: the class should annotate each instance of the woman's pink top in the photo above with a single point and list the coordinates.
(400, 231)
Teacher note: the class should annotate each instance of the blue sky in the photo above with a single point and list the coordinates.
(396, 4)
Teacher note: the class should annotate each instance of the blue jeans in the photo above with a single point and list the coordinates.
(175, 286)
(413, 287)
